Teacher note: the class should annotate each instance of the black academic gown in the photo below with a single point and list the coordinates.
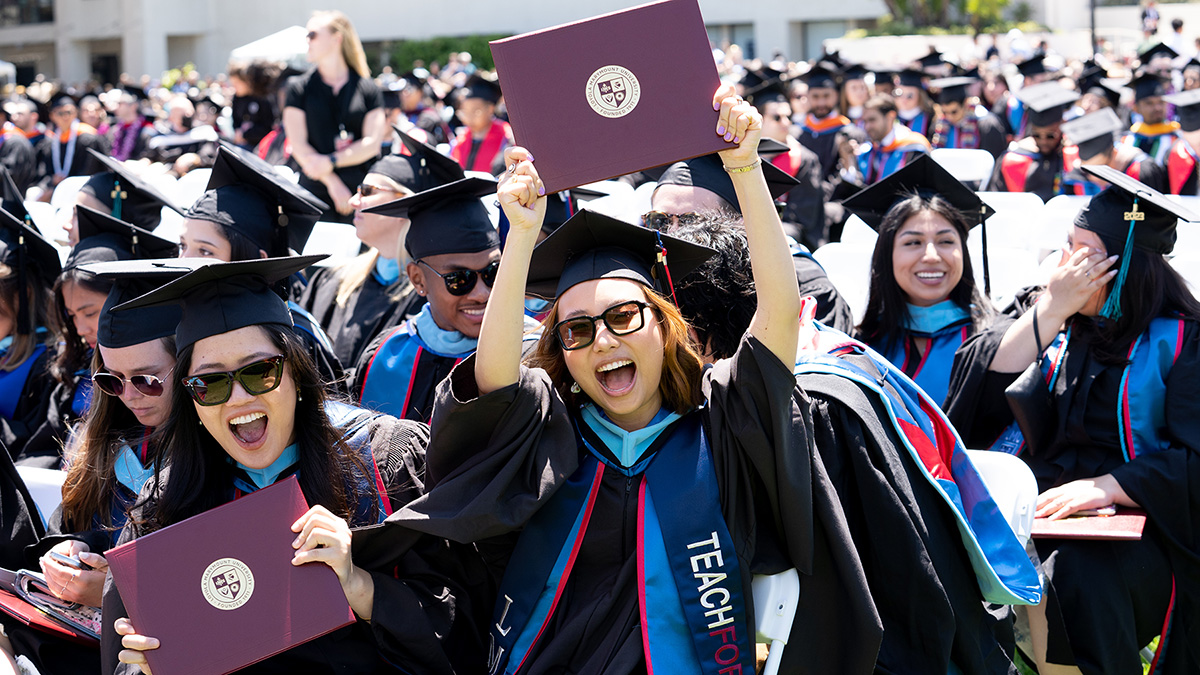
(17, 155)
(370, 310)
(416, 624)
(82, 163)
(515, 446)
(320, 350)
(1042, 176)
(19, 433)
(1105, 600)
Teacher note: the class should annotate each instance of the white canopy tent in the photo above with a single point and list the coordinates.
(289, 45)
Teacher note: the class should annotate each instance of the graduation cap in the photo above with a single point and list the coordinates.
(103, 238)
(931, 60)
(1187, 108)
(128, 196)
(133, 279)
(1034, 65)
(432, 167)
(446, 219)
(1192, 64)
(833, 58)
(594, 246)
(884, 75)
(11, 199)
(1093, 133)
(1157, 50)
(24, 250)
(952, 89)
(391, 96)
(1108, 89)
(922, 176)
(854, 71)
(222, 297)
(250, 197)
(709, 173)
(765, 85)
(481, 87)
(1129, 213)
(911, 77)
(822, 75)
(1148, 85)
(63, 99)
(1046, 102)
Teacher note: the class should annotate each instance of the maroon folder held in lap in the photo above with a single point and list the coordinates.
(219, 589)
(1127, 525)
(613, 94)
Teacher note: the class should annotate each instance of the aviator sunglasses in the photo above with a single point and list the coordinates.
(147, 385)
(257, 378)
(578, 332)
(460, 282)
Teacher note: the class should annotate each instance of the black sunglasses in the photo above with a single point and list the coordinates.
(311, 35)
(460, 282)
(257, 378)
(578, 332)
(147, 385)
(657, 220)
(366, 189)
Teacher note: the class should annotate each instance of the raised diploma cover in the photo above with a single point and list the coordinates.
(611, 95)
(1126, 525)
(219, 590)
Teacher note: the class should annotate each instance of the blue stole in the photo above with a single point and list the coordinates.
(1002, 568)
(875, 163)
(946, 326)
(1016, 116)
(919, 124)
(12, 383)
(690, 590)
(81, 398)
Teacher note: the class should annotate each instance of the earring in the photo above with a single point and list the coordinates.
(575, 388)
(299, 395)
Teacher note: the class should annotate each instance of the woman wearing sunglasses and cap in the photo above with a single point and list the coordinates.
(249, 409)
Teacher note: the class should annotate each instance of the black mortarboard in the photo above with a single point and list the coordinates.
(481, 87)
(1157, 50)
(931, 60)
(765, 85)
(432, 167)
(594, 246)
(223, 297)
(1046, 102)
(1193, 63)
(910, 77)
(952, 89)
(11, 199)
(391, 98)
(884, 75)
(854, 71)
(1110, 90)
(833, 58)
(249, 196)
(447, 219)
(1093, 133)
(61, 99)
(126, 194)
(133, 279)
(1187, 108)
(1034, 65)
(769, 147)
(103, 238)
(1129, 213)
(708, 172)
(16, 235)
(821, 76)
(1147, 85)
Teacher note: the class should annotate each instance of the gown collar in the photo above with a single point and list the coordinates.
(929, 320)
(129, 470)
(626, 446)
(266, 477)
(387, 270)
(438, 340)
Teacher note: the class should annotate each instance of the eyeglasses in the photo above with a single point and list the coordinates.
(460, 282)
(1046, 137)
(621, 319)
(778, 117)
(366, 189)
(311, 35)
(147, 385)
(657, 220)
(257, 378)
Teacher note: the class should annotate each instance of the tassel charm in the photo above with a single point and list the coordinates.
(1112, 307)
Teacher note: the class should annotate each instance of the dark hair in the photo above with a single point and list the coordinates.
(72, 355)
(258, 75)
(240, 246)
(887, 306)
(1152, 289)
(884, 103)
(200, 473)
(28, 298)
(91, 479)
(718, 298)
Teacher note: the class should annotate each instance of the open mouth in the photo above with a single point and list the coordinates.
(474, 313)
(931, 277)
(617, 377)
(249, 429)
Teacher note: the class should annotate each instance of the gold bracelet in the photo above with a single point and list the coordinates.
(743, 169)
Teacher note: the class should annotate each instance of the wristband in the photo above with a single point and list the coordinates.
(743, 169)
(332, 159)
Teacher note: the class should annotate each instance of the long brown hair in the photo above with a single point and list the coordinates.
(352, 49)
(33, 305)
(682, 367)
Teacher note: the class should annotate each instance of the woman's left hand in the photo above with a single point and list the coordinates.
(1087, 493)
(324, 537)
(340, 195)
(740, 123)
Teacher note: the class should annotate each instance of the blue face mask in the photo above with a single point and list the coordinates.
(929, 320)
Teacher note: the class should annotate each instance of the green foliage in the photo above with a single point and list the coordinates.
(404, 52)
(888, 25)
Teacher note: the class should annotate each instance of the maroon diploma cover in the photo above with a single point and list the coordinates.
(219, 590)
(613, 94)
(1127, 525)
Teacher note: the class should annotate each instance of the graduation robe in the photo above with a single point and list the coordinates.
(931, 370)
(28, 390)
(980, 131)
(877, 161)
(1153, 139)
(319, 348)
(803, 213)
(832, 309)
(1182, 172)
(1105, 600)
(820, 136)
(1024, 169)
(516, 446)
(17, 155)
(81, 163)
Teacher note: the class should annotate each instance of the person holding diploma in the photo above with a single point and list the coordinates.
(248, 410)
(1092, 381)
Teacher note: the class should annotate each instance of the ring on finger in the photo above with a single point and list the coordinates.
(512, 168)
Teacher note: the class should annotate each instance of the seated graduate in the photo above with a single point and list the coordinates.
(620, 565)
(454, 253)
(357, 301)
(121, 193)
(249, 410)
(28, 266)
(924, 574)
(688, 190)
(1094, 138)
(1039, 159)
(1105, 413)
(251, 211)
(78, 299)
(922, 301)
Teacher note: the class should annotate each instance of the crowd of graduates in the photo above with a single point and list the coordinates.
(538, 438)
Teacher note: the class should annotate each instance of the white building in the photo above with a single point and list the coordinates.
(107, 37)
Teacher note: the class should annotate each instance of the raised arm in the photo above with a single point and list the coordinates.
(522, 196)
(775, 323)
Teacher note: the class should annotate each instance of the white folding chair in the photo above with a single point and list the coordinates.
(1012, 486)
(1188, 266)
(64, 192)
(848, 266)
(45, 486)
(858, 233)
(1075, 202)
(1011, 201)
(776, 597)
(189, 188)
(336, 239)
(968, 166)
